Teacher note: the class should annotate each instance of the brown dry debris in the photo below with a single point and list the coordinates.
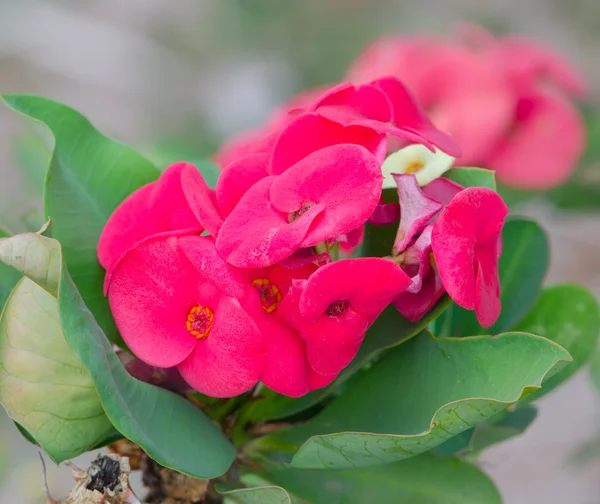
(106, 481)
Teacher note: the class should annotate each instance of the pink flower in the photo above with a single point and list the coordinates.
(506, 101)
(333, 309)
(466, 242)
(286, 369)
(328, 193)
(172, 312)
(179, 199)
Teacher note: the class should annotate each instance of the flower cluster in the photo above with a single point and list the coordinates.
(243, 283)
(505, 100)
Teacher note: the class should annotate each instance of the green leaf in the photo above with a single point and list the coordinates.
(568, 315)
(472, 177)
(417, 396)
(89, 175)
(43, 385)
(390, 329)
(258, 495)
(522, 269)
(426, 479)
(170, 429)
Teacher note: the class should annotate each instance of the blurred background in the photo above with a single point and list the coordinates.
(174, 79)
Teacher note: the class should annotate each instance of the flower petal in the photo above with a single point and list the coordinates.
(442, 190)
(345, 179)
(473, 218)
(409, 118)
(311, 132)
(416, 210)
(201, 252)
(237, 177)
(350, 103)
(154, 208)
(152, 289)
(487, 283)
(369, 284)
(201, 199)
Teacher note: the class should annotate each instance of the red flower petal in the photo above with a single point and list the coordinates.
(464, 241)
(346, 179)
(155, 208)
(311, 132)
(237, 177)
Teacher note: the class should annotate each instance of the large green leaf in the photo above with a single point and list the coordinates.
(170, 429)
(426, 479)
(43, 385)
(389, 329)
(89, 175)
(8, 276)
(568, 315)
(522, 269)
(472, 177)
(417, 396)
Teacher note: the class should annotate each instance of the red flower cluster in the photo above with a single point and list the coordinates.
(242, 284)
(506, 100)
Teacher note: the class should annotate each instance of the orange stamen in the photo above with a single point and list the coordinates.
(199, 321)
(269, 294)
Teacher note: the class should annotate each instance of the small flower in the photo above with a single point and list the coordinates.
(328, 193)
(181, 306)
(466, 242)
(333, 309)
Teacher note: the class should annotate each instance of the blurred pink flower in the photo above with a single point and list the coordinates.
(506, 101)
